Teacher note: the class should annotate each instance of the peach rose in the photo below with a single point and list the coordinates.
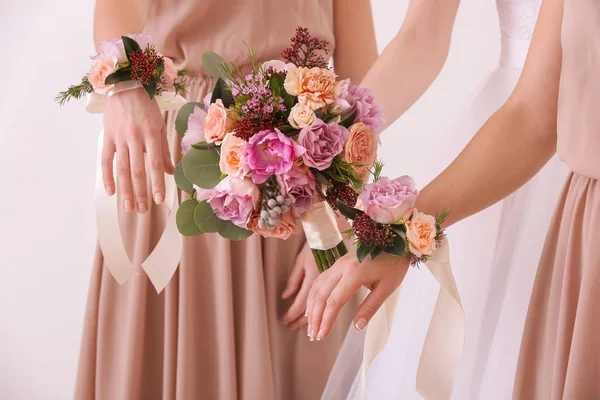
(301, 115)
(101, 69)
(420, 233)
(217, 123)
(170, 71)
(314, 87)
(361, 147)
(232, 156)
(283, 230)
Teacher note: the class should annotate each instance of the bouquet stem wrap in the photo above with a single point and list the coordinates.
(323, 235)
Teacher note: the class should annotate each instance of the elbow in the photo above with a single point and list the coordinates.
(539, 124)
(428, 41)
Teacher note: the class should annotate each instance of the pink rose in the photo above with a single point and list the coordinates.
(270, 153)
(323, 142)
(234, 200)
(195, 130)
(170, 71)
(420, 234)
(217, 123)
(232, 156)
(299, 184)
(283, 230)
(361, 148)
(115, 48)
(387, 200)
(315, 87)
(101, 69)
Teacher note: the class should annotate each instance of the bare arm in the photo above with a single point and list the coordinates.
(414, 58)
(355, 48)
(516, 142)
(113, 18)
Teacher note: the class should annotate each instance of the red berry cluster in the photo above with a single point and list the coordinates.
(143, 65)
(342, 192)
(372, 234)
(306, 51)
(248, 127)
(270, 71)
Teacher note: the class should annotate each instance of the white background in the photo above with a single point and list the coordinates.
(47, 167)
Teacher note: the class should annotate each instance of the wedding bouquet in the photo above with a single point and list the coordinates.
(275, 147)
(386, 220)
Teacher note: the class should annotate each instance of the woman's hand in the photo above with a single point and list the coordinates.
(336, 286)
(134, 125)
(301, 279)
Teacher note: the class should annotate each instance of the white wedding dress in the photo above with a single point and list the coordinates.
(494, 256)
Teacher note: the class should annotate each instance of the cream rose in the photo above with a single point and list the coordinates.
(315, 87)
(420, 234)
(283, 230)
(361, 147)
(101, 69)
(301, 115)
(217, 123)
(232, 156)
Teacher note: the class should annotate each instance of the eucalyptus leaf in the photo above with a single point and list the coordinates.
(398, 248)
(276, 84)
(181, 122)
(286, 129)
(206, 219)
(213, 64)
(221, 91)
(288, 100)
(347, 211)
(181, 180)
(233, 232)
(201, 167)
(377, 251)
(363, 251)
(130, 46)
(349, 120)
(204, 146)
(120, 75)
(185, 218)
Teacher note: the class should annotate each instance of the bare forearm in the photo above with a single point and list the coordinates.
(113, 18)
(508, 151)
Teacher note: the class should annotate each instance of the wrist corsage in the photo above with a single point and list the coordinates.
(131, 61)
(386, 221)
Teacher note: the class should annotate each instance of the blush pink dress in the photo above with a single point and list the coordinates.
(215, 332)
(560, 353)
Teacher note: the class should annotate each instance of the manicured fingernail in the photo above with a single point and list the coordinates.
(109, 190)
(308, 331)
(127, 205)
(142, 208)
(158, 198)
(361, 323)
(320, 335)
(306, 313)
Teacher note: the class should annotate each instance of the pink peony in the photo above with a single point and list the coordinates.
(323, 142)
(270, 153)
(101, 69)
(299, 184)
(420, 234)
(387, 201)
(234, 200)
(195, 130)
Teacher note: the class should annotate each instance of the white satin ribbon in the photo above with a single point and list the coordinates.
(163, 261)
(321, 227)
(442, 349)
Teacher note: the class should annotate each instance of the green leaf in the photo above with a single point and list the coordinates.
(399, 229)
(181, 122)
(204, 146)
(233, 232)
(287, 129)
(319, 176)
(221, 91)
(349, 120)
(130, 46)
(181, 180)
(185, 218)
(213, 64)
(276, 84)
(120, 75)
(151, 89)
(377, 251)
(206, 219)
(363, 251)
(398, 248)
(347, 211)
(201, 167)
(288, 100)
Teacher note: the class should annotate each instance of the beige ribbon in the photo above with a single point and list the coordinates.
(163, 261)
(321, 227)
(442, 349)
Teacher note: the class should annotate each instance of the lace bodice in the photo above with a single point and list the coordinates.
(517, 23)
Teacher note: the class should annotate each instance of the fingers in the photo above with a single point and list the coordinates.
(138, 177)
(155, 165)
(342, 293)
(371, 304)
(295, 279)
(108, 155)
(320, 299)
(124, 176)
(302, 321)
(298, 308)
(166, 153)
